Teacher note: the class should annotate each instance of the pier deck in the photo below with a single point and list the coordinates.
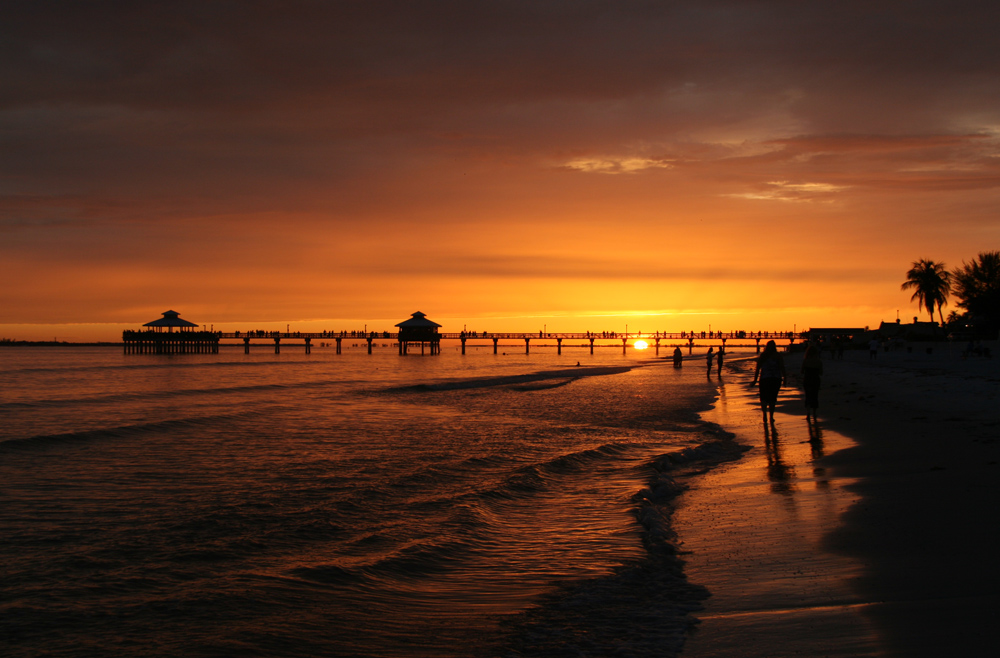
(183, 342)
(653, 338)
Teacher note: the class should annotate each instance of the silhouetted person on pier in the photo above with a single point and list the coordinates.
(678, 357)
(770, 371)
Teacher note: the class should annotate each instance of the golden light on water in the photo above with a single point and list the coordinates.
(640, 345)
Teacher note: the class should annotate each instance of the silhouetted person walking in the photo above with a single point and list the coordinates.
(812, 371)
(678, 357)
(770, 371)
(719, 356)
(708, 358)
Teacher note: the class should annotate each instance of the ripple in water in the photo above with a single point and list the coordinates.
(341, 506)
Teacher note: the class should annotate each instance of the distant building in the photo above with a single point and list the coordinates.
(915, 331)
(418, 329)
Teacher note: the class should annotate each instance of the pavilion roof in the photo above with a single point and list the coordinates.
(418, 321)
(170, 319)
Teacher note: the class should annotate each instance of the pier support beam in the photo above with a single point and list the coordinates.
(624, 344)
(657, 347)
(369, 344)
(338, 344)
(758, 344)
(309, 346)
(527, 342)
(463, 344)
(495, 342)
(277, 345)
(558, 345)
(591, 346)
(691, 345)
(246, 345)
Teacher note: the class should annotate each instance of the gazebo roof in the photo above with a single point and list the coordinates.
(418, 321)
(170, 319)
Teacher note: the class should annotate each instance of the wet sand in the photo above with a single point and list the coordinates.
(873, 533)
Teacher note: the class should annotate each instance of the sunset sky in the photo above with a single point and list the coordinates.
(501, 165)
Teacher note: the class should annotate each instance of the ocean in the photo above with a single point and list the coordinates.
(346, 505)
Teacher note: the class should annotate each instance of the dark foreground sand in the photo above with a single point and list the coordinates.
(875, 534)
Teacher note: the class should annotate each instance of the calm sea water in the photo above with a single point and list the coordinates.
(342, 505)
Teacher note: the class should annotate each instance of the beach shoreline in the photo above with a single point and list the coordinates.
(890, 521)
(928, 476)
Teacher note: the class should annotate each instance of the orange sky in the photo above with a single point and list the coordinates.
(509, 165)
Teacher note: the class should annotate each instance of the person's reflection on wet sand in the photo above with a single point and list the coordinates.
(817, 453)
(778, 472)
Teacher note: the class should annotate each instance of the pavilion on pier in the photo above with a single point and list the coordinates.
(418, 329)
(160, 337)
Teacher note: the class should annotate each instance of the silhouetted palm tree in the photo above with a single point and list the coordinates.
(930, 283)
(977, 286)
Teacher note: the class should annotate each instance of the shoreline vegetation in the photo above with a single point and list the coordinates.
(976, 286)
(922, 481)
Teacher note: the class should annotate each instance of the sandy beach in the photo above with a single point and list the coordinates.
(870, 533)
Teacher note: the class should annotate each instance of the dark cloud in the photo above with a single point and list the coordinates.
(124, 124)
(824, 164)
(422, 57)
(596, 268)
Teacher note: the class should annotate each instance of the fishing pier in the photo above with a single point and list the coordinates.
(160, 338)
(655, 339)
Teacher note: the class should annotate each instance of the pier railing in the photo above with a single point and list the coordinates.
(433, 342)
(171, 342)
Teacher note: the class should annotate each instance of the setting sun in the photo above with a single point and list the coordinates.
(640, 345)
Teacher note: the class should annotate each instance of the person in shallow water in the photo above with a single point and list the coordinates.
(770, 371)
(709, 357)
